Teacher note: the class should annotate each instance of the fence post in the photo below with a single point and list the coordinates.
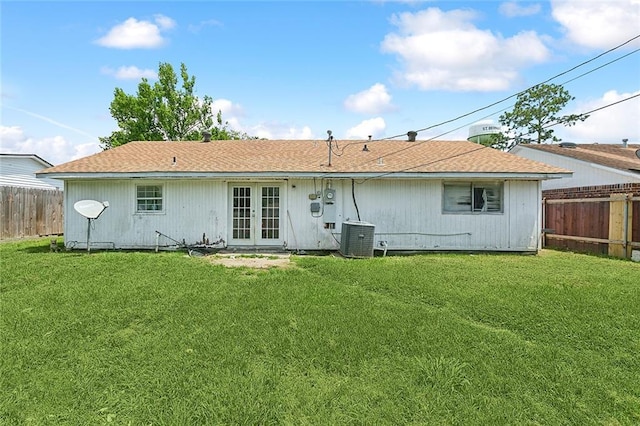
(619, 230)
(628, 225)
(543, 236)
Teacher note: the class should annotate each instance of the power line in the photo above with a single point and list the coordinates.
(425, 164)
(482, 147)
(584, 113)
(516, 94)
(338, 154)
(413, 145)
(565, 82)
(602, 107)
(498, 102)
(601, 66)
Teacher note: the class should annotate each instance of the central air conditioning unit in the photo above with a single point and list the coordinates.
(357, 239)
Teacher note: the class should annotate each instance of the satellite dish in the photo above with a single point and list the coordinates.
(90, 209)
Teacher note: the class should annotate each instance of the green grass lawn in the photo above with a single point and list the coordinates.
(163, 339)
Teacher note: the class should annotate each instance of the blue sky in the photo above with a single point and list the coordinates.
(293, 70)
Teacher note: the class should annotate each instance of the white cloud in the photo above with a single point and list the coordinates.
(164, 22)
(9, 136)
(231, 113)
(609, 125)
(444, 50)
(275, 130)
(130, 73)
(227, 107)
(132, 34)
(194, 28)
(53, 149)
(374, 127)
(598, 24)
(512, 9)
(374, 100)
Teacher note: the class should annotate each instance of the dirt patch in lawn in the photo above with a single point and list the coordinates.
(252, 261)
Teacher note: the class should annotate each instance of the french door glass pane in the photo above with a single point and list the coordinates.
(242, 213)
(270, 210)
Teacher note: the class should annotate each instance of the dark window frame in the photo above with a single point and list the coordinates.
(472, 197)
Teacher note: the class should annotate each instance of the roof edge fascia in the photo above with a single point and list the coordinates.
(303, 175)
(35, 157)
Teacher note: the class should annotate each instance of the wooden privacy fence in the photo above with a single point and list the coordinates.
(606, 225)
(30, 212)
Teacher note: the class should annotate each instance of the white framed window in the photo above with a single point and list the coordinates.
(472, 197)
(149, 198)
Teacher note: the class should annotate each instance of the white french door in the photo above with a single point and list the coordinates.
(256, 214)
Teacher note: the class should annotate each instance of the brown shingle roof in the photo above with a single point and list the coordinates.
(298, 156)
(615, 156)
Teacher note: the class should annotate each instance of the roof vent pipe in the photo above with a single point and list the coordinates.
(568, 145)
(624, 142)
(206, 136)
(412, 136)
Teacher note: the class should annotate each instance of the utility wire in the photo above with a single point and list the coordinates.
(584, 113)
(426, 164)
(516, 94)
(413, 145)
(341, 151)
(601, 66)
(482, 147)
(502, 100)
(602, 107)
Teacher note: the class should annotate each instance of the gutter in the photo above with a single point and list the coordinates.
(308, 175)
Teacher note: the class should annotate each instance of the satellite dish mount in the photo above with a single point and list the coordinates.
(92, 210)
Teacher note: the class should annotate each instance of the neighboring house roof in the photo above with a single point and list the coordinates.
(32, 156)
(303, 158)
(20, 170)
(608, 155)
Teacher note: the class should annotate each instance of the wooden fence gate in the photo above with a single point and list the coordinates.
(606, 225)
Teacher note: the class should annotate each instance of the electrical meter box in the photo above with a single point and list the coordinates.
(329, 214)
(329, 196)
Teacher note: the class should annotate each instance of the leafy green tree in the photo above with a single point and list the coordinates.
(534, 115)
(165, 111)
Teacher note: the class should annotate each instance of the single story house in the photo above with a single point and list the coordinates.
(19, 170)
(296, 194)
(596, 167)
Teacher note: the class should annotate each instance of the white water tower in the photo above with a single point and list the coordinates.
(483, 132)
